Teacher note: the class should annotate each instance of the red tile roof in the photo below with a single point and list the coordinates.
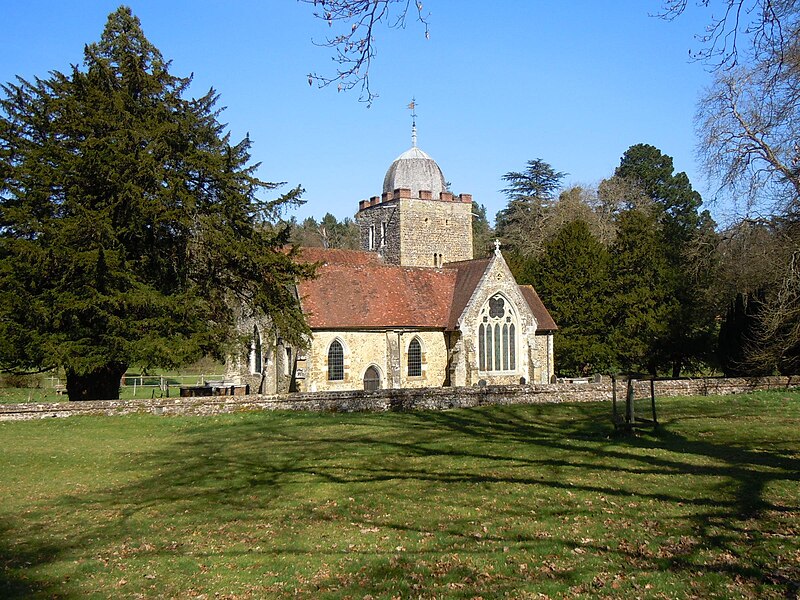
(335, 255)
(544, 321)
(469, 273)
(374, 296)
(354, 290)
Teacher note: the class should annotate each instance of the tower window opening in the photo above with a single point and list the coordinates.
(383, 234)
(372, 237)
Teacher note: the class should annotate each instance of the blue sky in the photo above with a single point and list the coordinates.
(572, 82)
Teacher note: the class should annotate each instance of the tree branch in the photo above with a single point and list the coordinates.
(354, 43)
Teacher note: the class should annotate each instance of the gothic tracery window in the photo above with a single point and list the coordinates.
(497, 344)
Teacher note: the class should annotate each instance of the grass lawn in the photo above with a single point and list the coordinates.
(520, 502)
(13, 395)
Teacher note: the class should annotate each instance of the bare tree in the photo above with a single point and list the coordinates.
(765, 27)
(749, 126)
(752, 254)
(777, 342)
(353, 24)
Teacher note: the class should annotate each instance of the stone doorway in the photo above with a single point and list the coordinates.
(372, 379)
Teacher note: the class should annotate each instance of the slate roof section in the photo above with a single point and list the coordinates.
(354, 290)
(544, 321)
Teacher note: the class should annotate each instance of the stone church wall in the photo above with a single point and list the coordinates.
(379, 219)
(434, 359)
(417, 229)
(396, 400)
(542, 358)
(383, 349)
(532, 350)
(430, 227)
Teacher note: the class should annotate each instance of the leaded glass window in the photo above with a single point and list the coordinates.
(336, 361)
(497, 340)
(415, 358)
(482, 347)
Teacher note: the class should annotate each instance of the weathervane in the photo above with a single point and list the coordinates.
(413, 108)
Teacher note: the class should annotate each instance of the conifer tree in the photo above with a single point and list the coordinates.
(129, 220)
(571, 277)
(682, 227)
(531, 194)
(640, 299)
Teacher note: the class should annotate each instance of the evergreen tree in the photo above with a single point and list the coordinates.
(328, 233)
(335, 234)
(530, 194)
(640, 298)
(689, 337)
(482, 232)
(738, 332)
(654, 173)
(129, 220)
(571, 277)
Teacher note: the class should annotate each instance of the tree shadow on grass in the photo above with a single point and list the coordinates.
(17, 562)
(258, 466)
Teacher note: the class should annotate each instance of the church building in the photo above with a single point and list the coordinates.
(413, 308)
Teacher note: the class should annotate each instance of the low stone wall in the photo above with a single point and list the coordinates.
(396, 400)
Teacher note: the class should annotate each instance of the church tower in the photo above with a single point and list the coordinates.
(415, 221)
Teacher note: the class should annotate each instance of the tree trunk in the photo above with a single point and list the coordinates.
(677, 363)
(100, 384)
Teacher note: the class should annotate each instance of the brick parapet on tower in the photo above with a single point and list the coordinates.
(405, 194)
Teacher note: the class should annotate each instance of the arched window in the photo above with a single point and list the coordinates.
(335, 361)
(415, 358)
(497, 340)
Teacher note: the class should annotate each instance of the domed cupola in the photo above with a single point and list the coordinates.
(415, 170)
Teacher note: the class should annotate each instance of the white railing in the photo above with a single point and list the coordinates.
(146, 382)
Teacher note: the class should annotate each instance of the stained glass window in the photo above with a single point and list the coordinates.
(497, 343)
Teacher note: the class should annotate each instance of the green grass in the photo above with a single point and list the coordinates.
(536, 501)
(15, 395)
(39, 388)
